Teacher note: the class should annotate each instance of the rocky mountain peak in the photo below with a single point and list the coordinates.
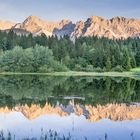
(66, 27)
(115, 28)
(64, 22)
(32, 19)
(118, 20)
(95, 19)
(4, 25)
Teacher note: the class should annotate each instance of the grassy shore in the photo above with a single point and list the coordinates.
(135, 70)
(75, 73)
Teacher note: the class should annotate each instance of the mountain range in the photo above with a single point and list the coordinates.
(115, 28)
(114, 112)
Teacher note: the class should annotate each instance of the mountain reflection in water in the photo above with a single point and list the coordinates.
(82, 106)
(115, 112)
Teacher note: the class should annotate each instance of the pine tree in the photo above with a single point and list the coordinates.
(108, 64)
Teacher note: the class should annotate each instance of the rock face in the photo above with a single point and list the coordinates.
(5, 25)
(115, 28)
(66, 27)
(36, 26)
(115, 112)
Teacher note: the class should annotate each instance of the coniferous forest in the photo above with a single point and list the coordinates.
(48, 54)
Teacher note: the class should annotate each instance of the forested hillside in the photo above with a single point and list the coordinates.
(47, 54)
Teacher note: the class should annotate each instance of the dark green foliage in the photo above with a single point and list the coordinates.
(117, 69)
(41, 89)
(85, 54)
(108, 64)
(37, 59)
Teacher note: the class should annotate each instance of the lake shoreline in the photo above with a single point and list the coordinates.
(75, 73)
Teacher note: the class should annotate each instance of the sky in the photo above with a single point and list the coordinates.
(75, 10)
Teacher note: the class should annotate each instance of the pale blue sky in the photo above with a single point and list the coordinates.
(54, 10)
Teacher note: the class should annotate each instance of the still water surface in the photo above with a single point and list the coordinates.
(86, 107)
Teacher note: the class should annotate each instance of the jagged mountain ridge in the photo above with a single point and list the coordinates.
(115, 112)
(37, 26)
(115, 28)
(4, 25)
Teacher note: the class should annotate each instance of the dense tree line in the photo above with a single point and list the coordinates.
(41, 53)
(36, 59)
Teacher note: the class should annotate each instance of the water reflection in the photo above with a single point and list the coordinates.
(40, 89)
(25, 121)
(95, 108)
(115, 112)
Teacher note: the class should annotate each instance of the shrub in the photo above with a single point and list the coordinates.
(89, 68)
(37, 59)
(117, 69)
(78, 67)
(45, 69)
(98, 69)
(59, 67)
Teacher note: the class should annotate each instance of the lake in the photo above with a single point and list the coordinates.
(56, 107)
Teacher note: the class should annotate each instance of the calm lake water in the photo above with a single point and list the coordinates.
(93, 108)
